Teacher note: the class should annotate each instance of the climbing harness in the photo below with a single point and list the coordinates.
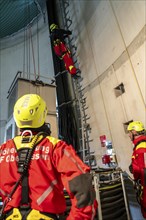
(25, 155)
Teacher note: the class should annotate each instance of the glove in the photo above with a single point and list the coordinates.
(139, 190)
(131, 168)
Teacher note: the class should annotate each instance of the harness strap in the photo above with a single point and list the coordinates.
(139, 143)
(24, 159)
(23, 154)
(25, 192)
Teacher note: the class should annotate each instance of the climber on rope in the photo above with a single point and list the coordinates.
(61, 50)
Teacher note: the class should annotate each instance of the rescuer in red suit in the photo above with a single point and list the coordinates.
(48, 165)
(61, 50)
(138, 166)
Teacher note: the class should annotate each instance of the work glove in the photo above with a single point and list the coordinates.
(131, 168)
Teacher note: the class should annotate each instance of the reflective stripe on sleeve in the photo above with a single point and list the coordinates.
(73, 160)
(47, 192)
(3, 193)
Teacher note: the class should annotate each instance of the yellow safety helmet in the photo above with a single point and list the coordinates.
(136, 125)
(30, 111)
(53, 26)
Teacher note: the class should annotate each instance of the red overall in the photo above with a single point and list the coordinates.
(63, 53)
(61, 50)
(54, 165)
(138, 165)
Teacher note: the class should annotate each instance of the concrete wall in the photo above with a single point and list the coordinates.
(110, 37)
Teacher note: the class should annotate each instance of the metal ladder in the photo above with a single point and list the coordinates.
(84, 129)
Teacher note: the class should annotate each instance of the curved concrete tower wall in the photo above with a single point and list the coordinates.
(110, 39)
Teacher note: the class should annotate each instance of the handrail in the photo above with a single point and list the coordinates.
(14, 81)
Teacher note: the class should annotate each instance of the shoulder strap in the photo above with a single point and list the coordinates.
(139, 143)
(23, 166)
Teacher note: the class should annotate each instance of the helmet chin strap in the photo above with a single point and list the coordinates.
(133, 136)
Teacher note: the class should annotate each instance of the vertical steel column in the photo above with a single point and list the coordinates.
(125, 198)
(96, 185)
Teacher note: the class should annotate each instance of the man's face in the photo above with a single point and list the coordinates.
(130, 134)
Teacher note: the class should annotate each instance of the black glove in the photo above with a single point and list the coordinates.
(130, 168)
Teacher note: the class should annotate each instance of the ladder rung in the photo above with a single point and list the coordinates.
(70, 40)
(69, 20)
(81, 150)
(88, 140)
(66, 13)
(84, 108)
(67, 4)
